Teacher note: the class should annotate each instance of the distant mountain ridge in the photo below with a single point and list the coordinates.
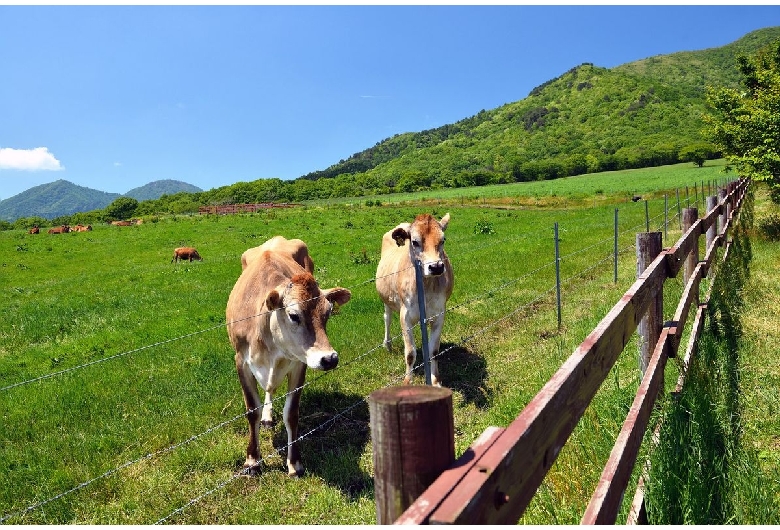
(158, 188)
(62, 197)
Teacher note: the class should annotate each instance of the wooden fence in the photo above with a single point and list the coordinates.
(225, 209)
(497, 476)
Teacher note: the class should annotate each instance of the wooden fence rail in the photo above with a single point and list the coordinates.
(496, 478)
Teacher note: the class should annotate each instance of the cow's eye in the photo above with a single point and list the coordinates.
(415, 243)
(295, 317)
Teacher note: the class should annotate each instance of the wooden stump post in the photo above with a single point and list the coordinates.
(413, 439)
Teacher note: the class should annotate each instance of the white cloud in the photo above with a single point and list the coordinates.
(38, 159)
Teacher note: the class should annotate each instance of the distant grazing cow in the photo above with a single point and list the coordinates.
(122, 223)
(35, 230)
(276, 317)
(63, 229)
(185, 253)
(81, 228)
(395, 282)
(636, 198)
(292, 247)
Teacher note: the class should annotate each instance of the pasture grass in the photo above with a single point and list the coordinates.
(138, 406)
(717, 462)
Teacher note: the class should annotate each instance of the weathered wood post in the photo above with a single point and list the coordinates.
(413, 439)
(723, 217)
(712, 231)
(648, 247)
(690, 216)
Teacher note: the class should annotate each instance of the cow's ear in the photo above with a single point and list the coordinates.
(445, 221)
(400, 235)
(338, 295)
(274, 300)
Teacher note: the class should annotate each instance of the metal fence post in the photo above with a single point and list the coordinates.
(558, 275)
(616, 244)
(418, 274)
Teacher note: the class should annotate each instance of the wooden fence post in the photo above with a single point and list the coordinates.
(413, 439)
(723, 217)
(648, 247)
(690, 216)
(712, 231)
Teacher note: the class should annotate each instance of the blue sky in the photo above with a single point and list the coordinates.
(114, 97)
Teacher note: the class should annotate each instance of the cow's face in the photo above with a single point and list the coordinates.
(426, 242)
(300, 312)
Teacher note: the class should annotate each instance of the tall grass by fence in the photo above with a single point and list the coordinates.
(495, 480)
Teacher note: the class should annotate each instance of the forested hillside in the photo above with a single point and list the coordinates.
(589, 119)
(54, 199)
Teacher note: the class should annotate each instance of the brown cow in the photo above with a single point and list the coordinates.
(122, 223)
(63, 229)
(396, 285)
(35, 230)
(81, 228)
(292, 247)
(276, 317)
(185, 253)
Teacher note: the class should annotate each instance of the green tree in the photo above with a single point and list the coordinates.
(122, 208)
(697, 153)
(745, 122)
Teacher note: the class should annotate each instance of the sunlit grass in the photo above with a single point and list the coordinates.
(113, 294)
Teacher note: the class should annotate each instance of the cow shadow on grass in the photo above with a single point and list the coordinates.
(465, 372)
(333, 430)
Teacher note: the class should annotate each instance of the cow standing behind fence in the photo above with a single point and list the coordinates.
(421, 240)
(276, 316)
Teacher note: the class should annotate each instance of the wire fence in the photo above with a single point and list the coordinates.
(397, 378)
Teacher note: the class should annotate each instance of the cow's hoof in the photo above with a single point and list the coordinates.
(294, 470)
(389, 345)
(252, 467)
(267, 424)
(408, 380)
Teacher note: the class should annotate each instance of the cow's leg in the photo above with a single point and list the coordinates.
(295, 380)
(388, 322)
(410, 350)
(434, 339)
(252, 402)
(267, 419)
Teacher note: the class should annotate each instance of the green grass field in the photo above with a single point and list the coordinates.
(120, 402)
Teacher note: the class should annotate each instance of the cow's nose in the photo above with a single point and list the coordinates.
(328, 362)
(436, 268)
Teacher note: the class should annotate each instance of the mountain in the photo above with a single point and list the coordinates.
(588, 119)
(53, 200)
(61, 198)
(158, 188)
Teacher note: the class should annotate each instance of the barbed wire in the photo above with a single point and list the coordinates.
(221, 325)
